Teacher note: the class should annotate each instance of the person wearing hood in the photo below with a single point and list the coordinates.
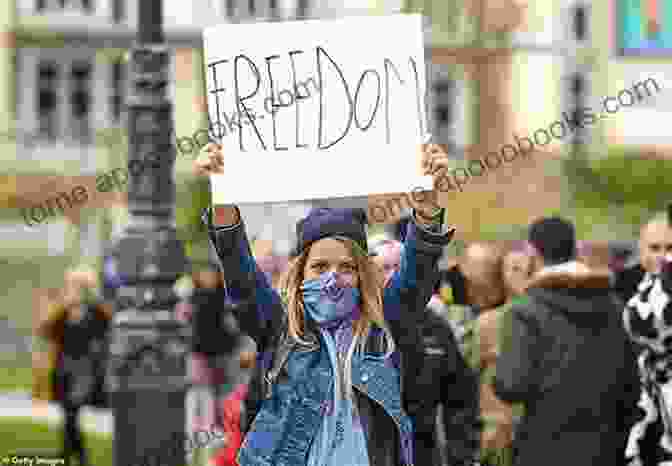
(336, 391)
(568, 359)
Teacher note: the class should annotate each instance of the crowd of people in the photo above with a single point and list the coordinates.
(359, 350)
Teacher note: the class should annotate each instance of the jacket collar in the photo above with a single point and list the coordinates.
(571, 274)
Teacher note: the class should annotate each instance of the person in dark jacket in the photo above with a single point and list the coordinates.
(446, 422)
(216, 336)
(568, 359)
(334, 388)
(451, 400)
(78, 328)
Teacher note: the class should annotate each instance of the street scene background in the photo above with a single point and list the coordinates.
(497, 70)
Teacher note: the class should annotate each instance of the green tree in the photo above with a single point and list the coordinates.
(188, 217)
(621, 189)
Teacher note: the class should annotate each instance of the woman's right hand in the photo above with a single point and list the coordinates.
(210, 161)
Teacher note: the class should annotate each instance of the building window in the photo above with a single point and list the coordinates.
(443, 109)
(80, 101)
(119, 10)
(252, 7)
(230, 8)
(17, 84)
(301, 9)
(118, 90)
(42, 5)
(580, 23)
(444, 112)
(60, 5)
(85, 5)
(47, 99)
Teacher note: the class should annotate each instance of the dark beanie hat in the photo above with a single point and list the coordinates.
(554, 238)
(324, 222)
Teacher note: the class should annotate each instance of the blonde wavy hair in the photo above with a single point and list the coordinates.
(371, 293)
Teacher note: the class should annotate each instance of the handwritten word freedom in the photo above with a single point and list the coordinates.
(362, 122)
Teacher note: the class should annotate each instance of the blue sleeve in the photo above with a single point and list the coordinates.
(245, 282)
(418, 272)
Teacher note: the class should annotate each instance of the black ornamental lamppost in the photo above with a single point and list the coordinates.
(146, 374)
(579, 80)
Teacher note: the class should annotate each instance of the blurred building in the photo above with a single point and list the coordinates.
(63, 80)
(496, 68)
(506, 68)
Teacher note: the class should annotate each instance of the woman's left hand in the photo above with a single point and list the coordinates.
(435, 162)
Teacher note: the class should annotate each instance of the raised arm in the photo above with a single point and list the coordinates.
(405, 298)
(245, 282)
(259, 310)
(423, 247)
(424, 240)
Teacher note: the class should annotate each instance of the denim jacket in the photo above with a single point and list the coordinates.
(298, 381)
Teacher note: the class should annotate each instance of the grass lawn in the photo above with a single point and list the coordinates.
(16, 379)
(24, 436)
(21, 435)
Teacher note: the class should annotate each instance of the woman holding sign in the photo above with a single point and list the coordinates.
(337, 361)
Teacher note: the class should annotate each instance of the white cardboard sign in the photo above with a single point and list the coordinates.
(317, 109)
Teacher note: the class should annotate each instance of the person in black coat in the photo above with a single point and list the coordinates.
(444, 380)
(568, 360)
(216, 335)
(447, 424)
(79, 329)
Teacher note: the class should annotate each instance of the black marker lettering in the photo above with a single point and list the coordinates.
(421, 124)
(273, 104)
(347, 92)
(216, 90)
(373, 114)
(297, 96)
(388, 64)
(240, 100)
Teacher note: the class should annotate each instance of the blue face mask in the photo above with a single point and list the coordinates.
(330, 299)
